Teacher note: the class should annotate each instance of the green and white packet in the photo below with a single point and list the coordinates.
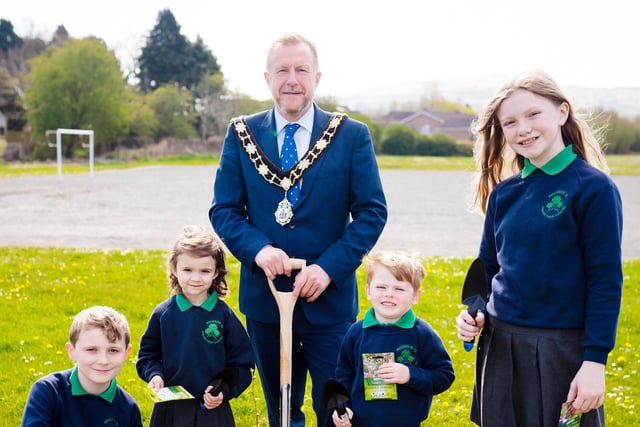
(568, 418)
(374, 387)
(165, 394)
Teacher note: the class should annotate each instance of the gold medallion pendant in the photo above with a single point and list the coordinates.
(276, 176)
(284, 212)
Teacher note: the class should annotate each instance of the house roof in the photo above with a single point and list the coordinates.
(394, 116)
(451, 120)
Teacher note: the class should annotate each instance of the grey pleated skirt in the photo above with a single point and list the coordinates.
(523, 376)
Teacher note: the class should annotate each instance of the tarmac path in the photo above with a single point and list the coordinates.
(146, 208)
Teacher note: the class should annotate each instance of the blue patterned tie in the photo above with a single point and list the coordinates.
(289, 157)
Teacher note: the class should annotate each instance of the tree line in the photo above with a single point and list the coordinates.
(176, 89)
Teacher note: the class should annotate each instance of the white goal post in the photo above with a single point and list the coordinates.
(59, 133)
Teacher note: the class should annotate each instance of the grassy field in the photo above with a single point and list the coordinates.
(41, 289)
(619, 164)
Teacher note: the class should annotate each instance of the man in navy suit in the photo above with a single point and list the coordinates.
(336, 219)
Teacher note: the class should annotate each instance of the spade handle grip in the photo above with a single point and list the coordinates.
(468, 345)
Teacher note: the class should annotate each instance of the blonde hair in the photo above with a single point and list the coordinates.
(496, 163)
(292, 39)
(199, 243)
(112, 323)
(402, 265)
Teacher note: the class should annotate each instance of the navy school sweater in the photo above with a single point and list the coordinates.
(552, 246)
(413, 343)
(51, 403)
(188, 345)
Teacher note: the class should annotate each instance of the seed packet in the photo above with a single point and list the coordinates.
(374, 387)
(567, 417)
(164, 394)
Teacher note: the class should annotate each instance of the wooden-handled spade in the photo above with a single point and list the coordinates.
(474, 292)
(286, 302)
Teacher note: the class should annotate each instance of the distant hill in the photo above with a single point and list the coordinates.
(476, 91)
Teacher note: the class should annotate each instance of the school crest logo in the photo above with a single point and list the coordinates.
(407, 355)
(111, 422)
(555, 205)
(213, 332)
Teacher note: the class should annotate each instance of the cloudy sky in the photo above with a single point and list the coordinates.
(370, 43)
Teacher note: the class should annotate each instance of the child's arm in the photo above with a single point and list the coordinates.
(239, 353)
(149, 364)
(435, 373)
(346, 371)
(39, 409)
(346, 365)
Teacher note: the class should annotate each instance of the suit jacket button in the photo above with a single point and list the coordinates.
(292, 226)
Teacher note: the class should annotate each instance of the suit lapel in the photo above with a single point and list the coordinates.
(267, 137)
(320, 120)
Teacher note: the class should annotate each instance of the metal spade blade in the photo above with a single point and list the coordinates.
(223, 382)
(334, 396)
(474, 292)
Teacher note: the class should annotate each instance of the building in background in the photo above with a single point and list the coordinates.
(454, 124)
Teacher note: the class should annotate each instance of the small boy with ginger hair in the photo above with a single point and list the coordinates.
(392, 362)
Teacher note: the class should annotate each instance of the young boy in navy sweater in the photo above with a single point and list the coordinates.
(392, 362)
(87, 395)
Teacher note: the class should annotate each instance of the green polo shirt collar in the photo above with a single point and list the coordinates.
(553, 166)
(184, 304)
(405, 322)
(77, 390)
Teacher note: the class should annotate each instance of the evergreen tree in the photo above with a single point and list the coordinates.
(8, 38)
(169, 57)
(14, 55)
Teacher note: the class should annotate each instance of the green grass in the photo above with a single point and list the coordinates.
(458, 164)
(41, 289)
(619, 164)
(9, 170)
(628, 164)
